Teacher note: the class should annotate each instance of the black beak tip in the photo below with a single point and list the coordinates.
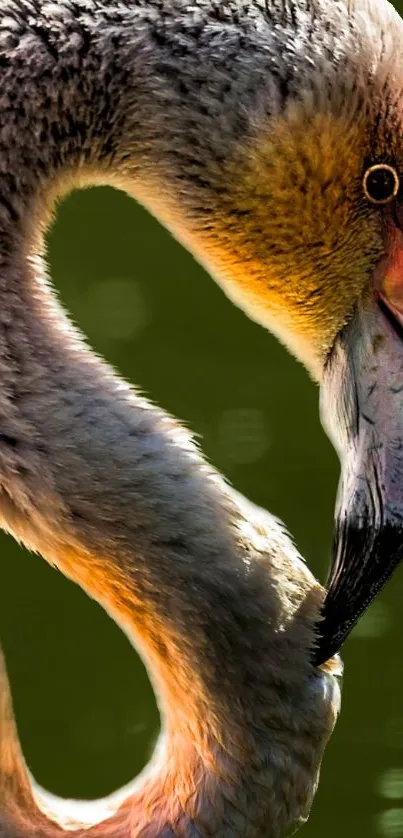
(364, 558)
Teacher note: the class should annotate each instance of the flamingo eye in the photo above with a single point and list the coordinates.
(381, 183)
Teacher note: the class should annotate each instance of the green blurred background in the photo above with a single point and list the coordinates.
(85, 709)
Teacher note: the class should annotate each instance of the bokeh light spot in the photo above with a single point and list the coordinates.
(243, 435)
(390, 823)
(118, 308)
(390, 784)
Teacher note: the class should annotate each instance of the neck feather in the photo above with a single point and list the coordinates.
(111, 489)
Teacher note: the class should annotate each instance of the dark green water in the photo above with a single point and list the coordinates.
(86, 712)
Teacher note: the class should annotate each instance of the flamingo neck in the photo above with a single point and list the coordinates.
(112, 490)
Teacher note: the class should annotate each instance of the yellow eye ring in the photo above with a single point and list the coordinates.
(381, 184)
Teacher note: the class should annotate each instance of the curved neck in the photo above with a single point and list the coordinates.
(102, 484)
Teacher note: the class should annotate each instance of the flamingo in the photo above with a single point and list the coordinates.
(266, 135)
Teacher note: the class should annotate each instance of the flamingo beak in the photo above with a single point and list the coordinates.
(362, 411)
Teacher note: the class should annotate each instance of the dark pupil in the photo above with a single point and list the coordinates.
(381, 184)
